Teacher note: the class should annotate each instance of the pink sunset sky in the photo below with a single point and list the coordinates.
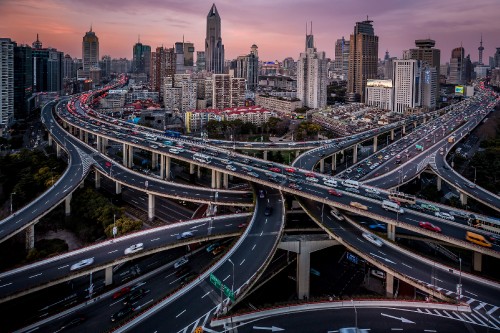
(276, 26)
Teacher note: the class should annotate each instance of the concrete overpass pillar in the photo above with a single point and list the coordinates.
(104, 144)
(403, 130)
(162, 166)
(108, 275)
(154, 161)
(334, 162)
(67, 204)
(58, 150)
(130, 158)
(477, 261)
(438, 183)
(86, 137)
(80, 134)
(50, 140)
(392, 134)
(99, 144)
(297, 153)
(322, 165)
(303, 274)
(415, 124)
(375, 143)
(151, 206)
(30, 237)
(125, 154)
(198, 175)
(97, 180)
(389, 285)
(168, 164)
(355, 154)
(214, 176)
(463, 198)
(118, 188)
(191, 168)
(391, 231)
(218, 182)
(225, 180)
(265, 155)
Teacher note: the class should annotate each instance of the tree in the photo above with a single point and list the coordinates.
(124, 225)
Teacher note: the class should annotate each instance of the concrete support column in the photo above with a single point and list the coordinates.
(375, 143)
(392, 134)
(334, 162)
(303, 274)
(118, 188)
(265, 155)
(322, 165)
(415, 124)
(125, 154)
(218, 179)
(191, 168)
(80, 134)
(104, 144)
(99, 144)
(463, 198)
(151, 206)
(214, 175)
(108, 275)
(154, 161)
(86, 137)
(67, 205)
(391, 232)
(130, 158)
(162, 166)
(225, 180)
(50, 140)
(198, 175)
(403, 129)
(438, 184)
(355, 154)
(168, 164)
(30, 237)
(297, 153)
(58, 150)
(389, 285)
(97, 180)
(477, 261)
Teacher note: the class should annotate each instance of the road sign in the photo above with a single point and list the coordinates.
(215, 281)
(115, 231)
(225, 289)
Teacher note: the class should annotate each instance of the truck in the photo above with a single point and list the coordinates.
(451, 139)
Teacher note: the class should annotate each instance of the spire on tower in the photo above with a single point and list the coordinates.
(90, 27)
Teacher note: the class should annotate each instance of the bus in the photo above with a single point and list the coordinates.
(172, 134)
(202, 158)
(402, 197)
(486, 223)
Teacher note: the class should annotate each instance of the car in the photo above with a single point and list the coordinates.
(173, 151)
(218, 250)
(181, 262)
(429, 226)
(268, 211)
(154, 146)
(184, 235)
(373, 239)
(81, 264)
(230, 167)
(378, 226)
(444, 215)
(121, 292)
(125, 311)
(371, 190)
(349, 170)
(358, 205)
(274, 169)
(108, 164)
(310, 174)
(247, 168)
(378, 273)
(226, 161)
(335, 193)
(494, 238)
(291, 170)
(471, 185)
(212, 246)
(134, 248)
(295, 187)
(351, 189)
(253, 174)
(312, 179)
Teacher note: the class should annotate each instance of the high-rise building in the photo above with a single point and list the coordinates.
(48, 70)
(188, 56)
(90, 51)
(214, 49)
(227, 91)
(363, 59)
(180, 93)
(247, 67)
(407, 89)
(6, 84)
(379, 93)
(311, 77)
(37, 44)
(457, 68)
(429, 82)
(68, 67)
(426, 53)
(105, 66)
(200, 61)
(163, 64)
(141, 58)
(23, 80)
(341, 62)
(496, 58)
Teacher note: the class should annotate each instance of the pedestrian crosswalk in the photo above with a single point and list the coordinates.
(87, 160)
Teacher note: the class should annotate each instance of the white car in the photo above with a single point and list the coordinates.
(134, 248)
(225, 161)
(231, 167)
(185, 235)
(174, 151)
(81, 263)
(372, 190)
(372, 239)
(312, 179)
(445, 216)
(378, 273)
(181, 262)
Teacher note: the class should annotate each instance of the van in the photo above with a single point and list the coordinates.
(392, 206)
(335, 213)
(350, 183)
(476, 239)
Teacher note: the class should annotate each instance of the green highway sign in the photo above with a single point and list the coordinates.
(225, 289)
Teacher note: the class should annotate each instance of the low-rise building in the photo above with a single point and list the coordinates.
(279, 104)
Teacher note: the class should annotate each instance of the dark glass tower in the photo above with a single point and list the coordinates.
(214, 49)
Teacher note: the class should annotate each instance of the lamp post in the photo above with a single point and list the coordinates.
(11, 201)
(355, 314)
(459, 286)
(232, 285)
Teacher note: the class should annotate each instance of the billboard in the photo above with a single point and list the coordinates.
(459, 90)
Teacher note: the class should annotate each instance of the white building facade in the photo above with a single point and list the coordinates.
(407, 88)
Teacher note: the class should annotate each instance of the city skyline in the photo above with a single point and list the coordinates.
(277, 28)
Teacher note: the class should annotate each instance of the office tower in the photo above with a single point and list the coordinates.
(214, 49)
(309, 38)
(90, 51)
(188, 56)
(363, 59)
(37, 44)
(311, 77)
(379, 93)
(341, 62)
(426, 52)
(407, 89)
(180, 93)
(496, 58)
(68, 67)
(457, 68)
(105, 66)
(481, 49)
(23, 80)
(430, 83)
(388, 68)
(200, 61)
(48, 70)
(120, 65)
(247, 67)
(6, 84)
(141, 58)
(163, 65)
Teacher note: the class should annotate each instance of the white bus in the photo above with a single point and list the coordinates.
(350, 183)
(202, 158)
(402, 197)
(392, 206)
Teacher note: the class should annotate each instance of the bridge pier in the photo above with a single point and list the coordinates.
(392, 134)
(104, 143)
(322, 165)
(118, 188)
(415, 124)
(165, 167)
(477, 261)
(30, 237)
(334, 162)
(218, 179)
(99, 144)
(67, 205)
(297, 153)
(265, 155)
(125, 155)
(97, 180)
(130, 158)
(50, 140)
(151, 206)
(463, 198)
(389, 285)
(108, 275)
(154, 161)
(403, 130)
(439, 183)
(191, 168)
(86, 137)
(391, 231)
(80, 134)
(375, 143)
(355, 154)
(214, 176)
(58, 150)
(225, 180)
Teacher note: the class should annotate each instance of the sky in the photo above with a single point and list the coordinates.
(277, 27)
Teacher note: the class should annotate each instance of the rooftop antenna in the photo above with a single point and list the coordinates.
(139, 39)
(311, 27)
(90, 27)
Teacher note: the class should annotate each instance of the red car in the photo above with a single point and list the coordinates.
(121, 292)
(108, 164)
(194, 149)
(310, 174)
(335, 193)
(292, 170)
(429, 226)
(275, 169)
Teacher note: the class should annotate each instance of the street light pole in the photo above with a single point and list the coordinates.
(459, 287)
(232, 285)
(11, 201)
(355, 314)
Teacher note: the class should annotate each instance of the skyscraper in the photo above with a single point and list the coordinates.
(457, 68)
(141, 58)
(311, 76)
(429, 55)
(6, 84)
(90, 51)
(200, 61)
(363, 59)
(407, 89)
(23, 80)
(247, 67)
(341, 62)
(162, 66)
(214, 49)
(48, 70)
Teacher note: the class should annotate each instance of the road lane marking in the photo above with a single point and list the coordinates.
(227, 277)
(35, 275)
(180, 314)
(112, 251)
(5, 285)
(152, 240)
(206, 294)
(242, 262)
(253, 247)
(63, 267)
(406, 265)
